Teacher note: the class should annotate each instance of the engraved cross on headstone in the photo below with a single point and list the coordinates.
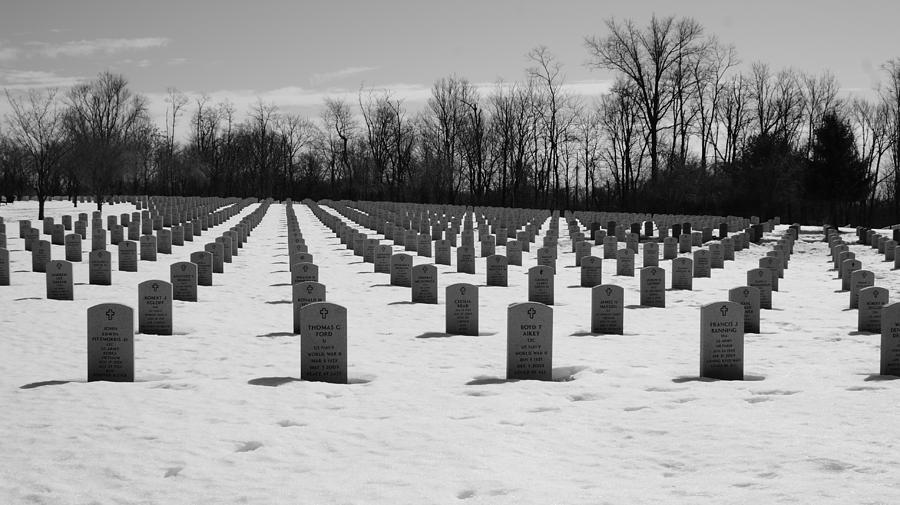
(324, 313)
(109, 314)
(531, 313)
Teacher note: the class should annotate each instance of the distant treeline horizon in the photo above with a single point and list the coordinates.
(683, 130)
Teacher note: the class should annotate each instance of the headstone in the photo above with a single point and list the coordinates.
(98, 239)
(625, 262)
(40, 255)
(591, 271)
(770, 263)
(683, 273)
(323, 343)
(382, 258)
(465, 259)
(496, 267)
(204, 262)
(304, 272)
(4, 267)
(761, 278)
(610, 246)
(871, 301)
(702, 263)
(847, 269)
(651, 255)
(442, 252)
(529, 341)
(57, 234)
(128, 261)
(860, 279)
(424, 284)
(546, 256)
(748, 297)
(73, 247)
(148, 247)
(684, 243)
(59, 280)
(100, 268)
(183, 275)
(164, 241)
(401, 266)
(514, 252)
(722, 341)
(110, 343)
(670, 248)
(653, 287)
(461, 311)
(607, 309)
(716, 255)
(304, 293)
(177, 235)
(890, 339)
(155, 307)
(540, 284)
(218, 252)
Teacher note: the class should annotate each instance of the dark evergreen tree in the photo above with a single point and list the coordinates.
(836, 175)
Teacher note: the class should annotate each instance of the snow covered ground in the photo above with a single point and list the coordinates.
(217, 413)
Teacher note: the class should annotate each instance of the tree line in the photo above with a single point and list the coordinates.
(684, 128)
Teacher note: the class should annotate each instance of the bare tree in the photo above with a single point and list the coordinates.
(36, 127)
(733, 118)
(102, 117)
(626, 145)
(295, 133)
(820, 96)
(647, 59)
(340, 127)
(546, 73)
(709, 72)
(445, 120)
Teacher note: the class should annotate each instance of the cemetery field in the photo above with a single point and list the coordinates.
(217, 412)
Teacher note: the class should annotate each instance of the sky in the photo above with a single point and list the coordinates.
(293, 54)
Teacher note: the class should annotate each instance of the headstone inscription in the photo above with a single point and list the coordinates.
(607, 309)
(529, 342)
(304, 293)
(323, 343)
(155, 307)
(722, 341)
(110, 343)
(461, 309)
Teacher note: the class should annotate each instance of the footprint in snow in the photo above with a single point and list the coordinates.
(465, 495)
(173, 472)
(249, 446)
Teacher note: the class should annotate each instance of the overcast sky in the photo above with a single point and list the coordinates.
(293, 53)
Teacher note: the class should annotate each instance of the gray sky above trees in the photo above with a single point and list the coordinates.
(293, 54)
